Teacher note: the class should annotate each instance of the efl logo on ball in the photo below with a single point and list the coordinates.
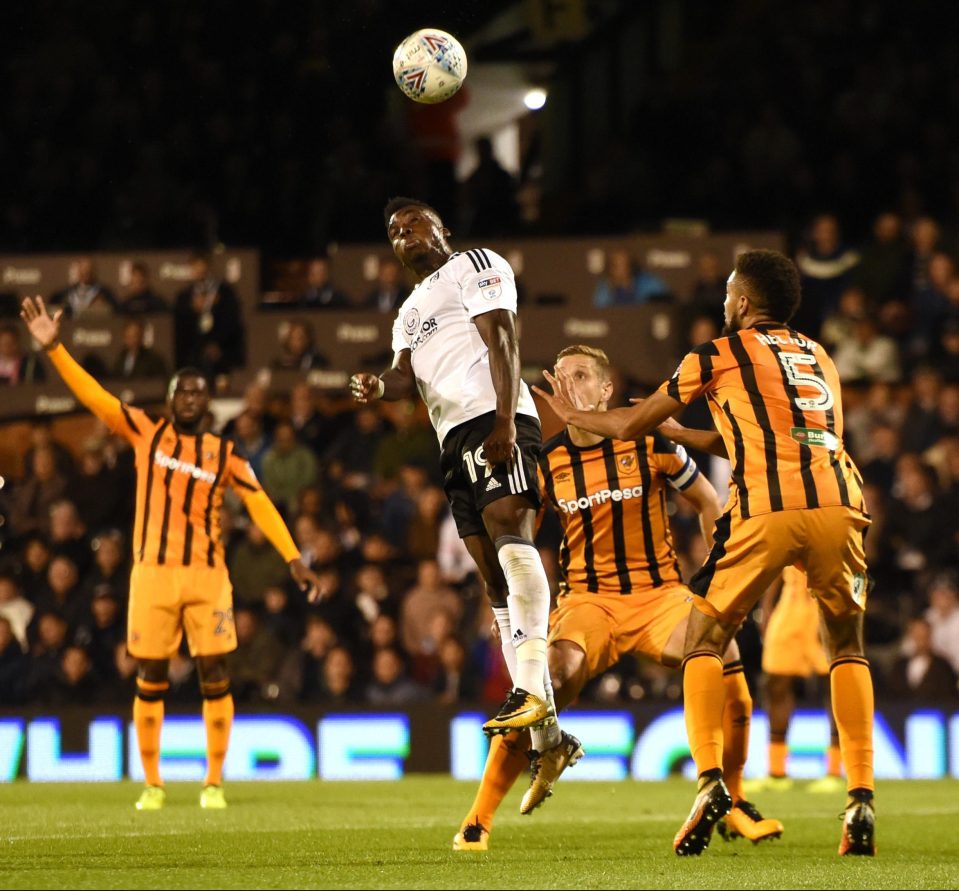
(429, 65)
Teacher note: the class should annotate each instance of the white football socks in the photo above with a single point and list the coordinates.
(501, 613)
(546, 737)
(528, 603)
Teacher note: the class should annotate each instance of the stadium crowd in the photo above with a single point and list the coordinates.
(403, 617)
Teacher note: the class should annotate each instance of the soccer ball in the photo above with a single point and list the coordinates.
(429, 65)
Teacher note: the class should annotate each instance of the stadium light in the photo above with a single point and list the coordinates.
(535, 99)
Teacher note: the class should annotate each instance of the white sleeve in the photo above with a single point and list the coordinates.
(487, 282)
(399, 341)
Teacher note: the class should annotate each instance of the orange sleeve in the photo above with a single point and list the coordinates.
(130, 423)
(262, 511)
(694, 376)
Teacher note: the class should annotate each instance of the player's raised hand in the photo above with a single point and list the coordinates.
(307, 580)
(44, 328)
(561, 400)
(365, 387)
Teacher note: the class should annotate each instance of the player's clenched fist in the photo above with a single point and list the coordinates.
(366, 387)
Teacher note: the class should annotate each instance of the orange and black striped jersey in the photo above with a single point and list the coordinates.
(611, 502)
(775, 398)
(181, 480)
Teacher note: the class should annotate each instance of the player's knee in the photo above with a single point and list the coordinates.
(521, 564)
(845, 636)
(153, 671)
(214, 679)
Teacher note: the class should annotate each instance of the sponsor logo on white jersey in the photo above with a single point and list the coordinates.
(603, 496)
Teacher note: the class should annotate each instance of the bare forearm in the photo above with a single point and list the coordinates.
(397, 385)
(708, 441)
(504, 369)
(616, 423)
(708, 515)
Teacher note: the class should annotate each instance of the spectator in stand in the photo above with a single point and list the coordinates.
(15, 609)
(17, 367)
(423, 535)
(709, 289)
(353, 452)
(841, 325)
(943, 617)
(76, 682)
(68, 534)
(86, 295)
(948, 361)
(320, 291)
(254, 665)
(35, 559)
(41, 436)
(391, 686)
(50, 642)
(63, 594)
(390, 290)
(868, 355)
(136, 360)
(455, 682)
(314, 427)
(827, 268)
(490, 194)
(255, 566)
(101, 634)
(411, 441)
(256, 403)
(338, 687)
(34, 496)
(140, 298)
(98, 491)
(298, 351)
(279, 616)
(373, 596)
(124, 675)
(914, 529)
(421, 603)
(626, 283)
(920, 428)
(922, 674)
(208, 323)
(287, 467)
(319, 639)
(109, 575)
(251, 440)
(883, 270)
(14, 666)
(880, 469)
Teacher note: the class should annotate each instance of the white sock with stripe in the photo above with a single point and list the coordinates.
(528, 603)
(501, 614)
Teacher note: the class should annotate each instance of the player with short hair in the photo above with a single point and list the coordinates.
(455, 341)
(621, 593)
(775, 398)
(179, 580)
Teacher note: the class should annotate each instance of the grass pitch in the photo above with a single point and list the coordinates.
(398, 835)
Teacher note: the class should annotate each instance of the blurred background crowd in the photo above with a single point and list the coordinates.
(187, 124)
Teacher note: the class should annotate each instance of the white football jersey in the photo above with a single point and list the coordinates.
(450, 359)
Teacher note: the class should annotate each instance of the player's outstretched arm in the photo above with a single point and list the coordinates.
(45, 329)
(708, 441)
(398, 382)
(616, 423)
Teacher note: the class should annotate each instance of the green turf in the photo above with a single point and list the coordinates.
(397, 835)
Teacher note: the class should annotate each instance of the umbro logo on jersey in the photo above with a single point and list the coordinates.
(493, 484)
